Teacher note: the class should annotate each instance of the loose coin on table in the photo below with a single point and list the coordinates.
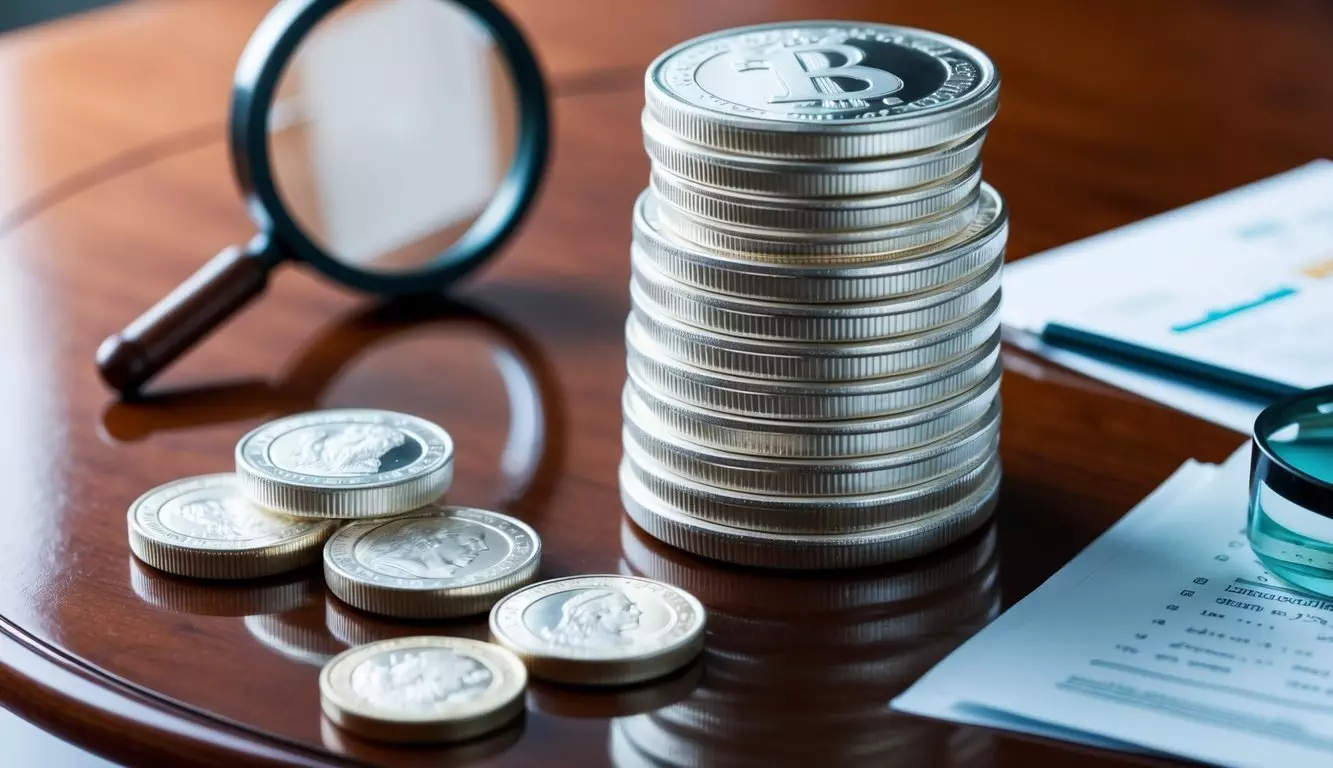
(423, 689)
(346, 463)
(202, 527)
(431, 563)
(600, 630)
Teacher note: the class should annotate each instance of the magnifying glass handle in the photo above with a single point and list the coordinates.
(207, 299)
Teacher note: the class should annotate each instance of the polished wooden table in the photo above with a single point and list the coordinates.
(116, 185)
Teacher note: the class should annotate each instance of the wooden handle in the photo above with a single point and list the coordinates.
(207, 299)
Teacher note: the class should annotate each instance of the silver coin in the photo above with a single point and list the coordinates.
(807, 178)
(822, 89)
(773, 438)
(798, 551)
(600, 630)
(812, 514)
(814, 213)
(952, 261)
(805, 401)
(802, 245)
(423, 689)
(780, 321)
(792, 361)
(807, 477)
(431, 563)
(345, 463)
(202, 527)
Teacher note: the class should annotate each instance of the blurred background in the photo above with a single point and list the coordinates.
(19, 13)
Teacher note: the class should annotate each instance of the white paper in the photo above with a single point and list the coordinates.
(1243, 281)
(943, 692)
(1166, 634)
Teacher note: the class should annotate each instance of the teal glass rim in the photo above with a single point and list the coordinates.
(1268, 467)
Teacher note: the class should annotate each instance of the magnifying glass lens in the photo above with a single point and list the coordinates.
(391, 145)
(1291, 492)
(391, 130)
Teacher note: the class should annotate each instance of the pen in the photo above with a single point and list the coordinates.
(1155, 360)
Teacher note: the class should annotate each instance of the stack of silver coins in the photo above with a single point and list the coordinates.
(814, 334)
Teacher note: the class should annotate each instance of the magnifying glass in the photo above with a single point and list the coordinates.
(392, 145)
(1291, 490)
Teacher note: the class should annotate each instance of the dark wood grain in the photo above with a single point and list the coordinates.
(118, 187)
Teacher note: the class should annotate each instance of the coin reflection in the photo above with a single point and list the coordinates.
(353, 627)
(468, 752)
(220, 598)
(299, 635)
(576, 701)
(799, 669)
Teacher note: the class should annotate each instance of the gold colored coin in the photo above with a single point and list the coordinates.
(423, 689)
(600, 630)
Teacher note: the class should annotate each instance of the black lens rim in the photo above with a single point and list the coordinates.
(1266, 466)
(257, 74)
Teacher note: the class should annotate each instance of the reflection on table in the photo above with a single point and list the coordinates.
(799, 670)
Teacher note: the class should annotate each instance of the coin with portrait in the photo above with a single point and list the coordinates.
(600, 630)
(423, 689)
(203, 527)
(431, 563)
(347, 463)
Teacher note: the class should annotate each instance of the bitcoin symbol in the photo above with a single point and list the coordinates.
(807, 72)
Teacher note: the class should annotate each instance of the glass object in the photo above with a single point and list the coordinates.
(1291, 490)
(391, 130)
(391, 145)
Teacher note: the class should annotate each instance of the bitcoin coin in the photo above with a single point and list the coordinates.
(971, 251)
(822, 89)
(767, 513)
(813, 340)
(807, 477)
(798, 551)
(814, 213)
(800, 245)
(705, 165)
(345, 463)
(802, 400)
(813, 361)
(781, 321)
(819, 439)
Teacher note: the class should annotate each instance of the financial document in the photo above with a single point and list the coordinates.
(1242, 281)
(1165, 635)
